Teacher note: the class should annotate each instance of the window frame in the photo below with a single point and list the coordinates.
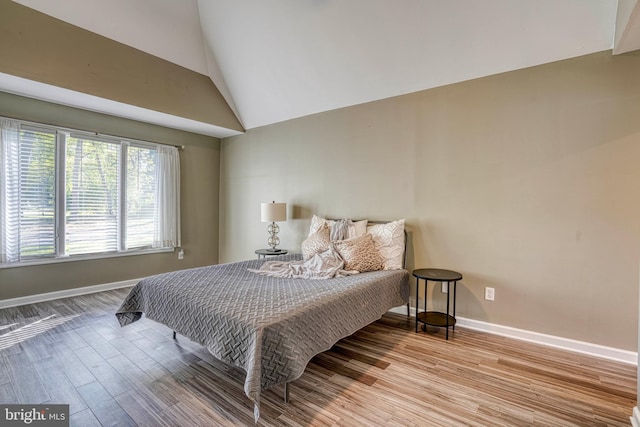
(61, 135)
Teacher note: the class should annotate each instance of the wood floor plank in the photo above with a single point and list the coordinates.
(25, 380)
(191, 414)
(4, 370)
(143, 407)
(106, 330)
(58, 386)
(11, 340)
(228, 408)
(139, 358)
(111, 380)
(383, 375)
(169, 355)
(84, 419)
(72, 339)
(38, 348)
(129, 370)
(168, 390)
(8, 394)
(334, 365)
(73, 367)
(28, 311)
(106, 410)
(360, 356)
(97, 342)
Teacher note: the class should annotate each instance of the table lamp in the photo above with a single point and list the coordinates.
(273, 212)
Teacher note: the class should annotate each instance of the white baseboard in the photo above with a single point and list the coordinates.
(590, 349)
(32, 299)
(635, 418)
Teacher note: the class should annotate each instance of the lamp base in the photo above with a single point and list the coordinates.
(273, 236)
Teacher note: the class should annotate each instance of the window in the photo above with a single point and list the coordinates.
(68, 194)
(92, 196)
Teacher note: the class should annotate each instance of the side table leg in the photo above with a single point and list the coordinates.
(426, 290)
(448, 295)
(455, 287)
(417, 300)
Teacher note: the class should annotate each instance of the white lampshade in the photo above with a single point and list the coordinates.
(273, 212)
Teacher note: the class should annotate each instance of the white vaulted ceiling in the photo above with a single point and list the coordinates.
(274, 60)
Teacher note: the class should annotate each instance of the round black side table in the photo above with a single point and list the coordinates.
(436, 318)
(263, 253)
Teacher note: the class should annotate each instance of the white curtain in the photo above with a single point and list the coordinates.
(167, 230)
(9, 191)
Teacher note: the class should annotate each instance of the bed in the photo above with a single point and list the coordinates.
(270, 327)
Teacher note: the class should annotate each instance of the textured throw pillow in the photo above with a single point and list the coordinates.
(389, 241)
(317, 242)
(356, 229)
(359, 253)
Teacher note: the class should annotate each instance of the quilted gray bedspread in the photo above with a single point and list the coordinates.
(270, 327)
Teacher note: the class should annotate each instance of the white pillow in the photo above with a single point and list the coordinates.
(317, 223)
(356, 229)
(389, 240)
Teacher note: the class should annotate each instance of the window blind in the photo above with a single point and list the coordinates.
(66, 194)
(92, 196)
(36, 177)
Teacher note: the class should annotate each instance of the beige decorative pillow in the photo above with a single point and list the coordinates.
(389, 241)
(359, 253)
(317, 242)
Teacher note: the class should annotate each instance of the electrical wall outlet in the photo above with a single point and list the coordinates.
(444, 287)
(489, 293)
(180, 254)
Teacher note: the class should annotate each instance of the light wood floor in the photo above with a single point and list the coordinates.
(73, 351)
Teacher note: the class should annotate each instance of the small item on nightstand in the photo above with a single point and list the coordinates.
(435, 318)
(263, 253)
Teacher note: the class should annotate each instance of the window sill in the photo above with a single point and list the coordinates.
(43, 261)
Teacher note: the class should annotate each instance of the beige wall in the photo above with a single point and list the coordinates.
(38, 47)
(527, 182)
(199, 163)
